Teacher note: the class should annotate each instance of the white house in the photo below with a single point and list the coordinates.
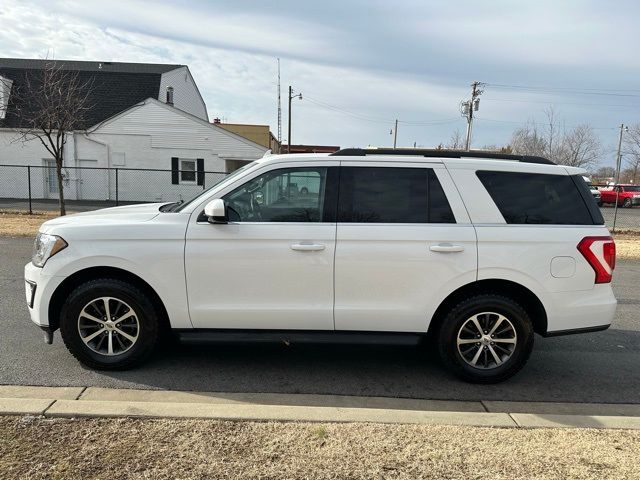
(166, 133)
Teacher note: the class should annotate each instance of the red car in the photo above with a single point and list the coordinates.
(628, 195)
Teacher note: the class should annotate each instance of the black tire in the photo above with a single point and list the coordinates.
(148, 325)
(600, 204)
(627, 203)
(461, 313)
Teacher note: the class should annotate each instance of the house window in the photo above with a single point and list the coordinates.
(187, 171)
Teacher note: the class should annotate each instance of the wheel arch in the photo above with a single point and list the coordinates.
(519, 293)
(91, 273)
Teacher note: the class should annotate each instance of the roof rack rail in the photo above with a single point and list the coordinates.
(359, 152)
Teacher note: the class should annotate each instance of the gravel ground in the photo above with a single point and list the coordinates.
(197, 449)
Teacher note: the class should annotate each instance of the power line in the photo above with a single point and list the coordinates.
(375, 119)
(515, 122)
(563, 103)
(569, 90)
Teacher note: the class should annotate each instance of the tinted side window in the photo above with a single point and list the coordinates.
(535, 198)
(439, 208)
(390, 195)
(284, 195)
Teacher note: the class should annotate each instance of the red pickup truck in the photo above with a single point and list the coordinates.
(628, 195)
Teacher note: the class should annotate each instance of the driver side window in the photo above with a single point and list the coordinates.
(283, 195)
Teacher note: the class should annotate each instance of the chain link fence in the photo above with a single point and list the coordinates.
(623, 217)
(35, 188)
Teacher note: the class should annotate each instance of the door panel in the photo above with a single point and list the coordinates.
(266, 274)
(254, 276)
(392, 276)
(389, 279)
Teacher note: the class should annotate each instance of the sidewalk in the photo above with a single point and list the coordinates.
(72, 402)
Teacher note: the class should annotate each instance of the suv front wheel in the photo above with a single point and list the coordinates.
(486, 338)
(109, 324)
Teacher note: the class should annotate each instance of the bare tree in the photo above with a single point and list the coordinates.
(604, 174)
(49, 105)
(456, 142)
(527, 140)
(551, 133)
(632, 151)
(580, 147)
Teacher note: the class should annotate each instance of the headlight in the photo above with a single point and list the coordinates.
(45, 247)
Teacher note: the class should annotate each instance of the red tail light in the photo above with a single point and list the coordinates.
(600, 252)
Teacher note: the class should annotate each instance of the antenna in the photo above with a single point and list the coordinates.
(279, 109)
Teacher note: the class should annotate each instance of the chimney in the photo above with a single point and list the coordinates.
(170, 96)
(216, 120)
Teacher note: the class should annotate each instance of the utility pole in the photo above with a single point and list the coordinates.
(279, 113)
(618, 165)
(467, 109)
(395, 134)
(291, 96)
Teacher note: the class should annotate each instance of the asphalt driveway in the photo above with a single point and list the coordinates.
(598, 367)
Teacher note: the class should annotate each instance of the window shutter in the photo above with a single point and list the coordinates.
(200, 170)
(175, 170)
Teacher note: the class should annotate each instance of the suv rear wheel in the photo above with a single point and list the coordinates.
(486, 338)
(109, 324)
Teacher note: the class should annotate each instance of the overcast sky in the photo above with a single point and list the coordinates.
(362, 64)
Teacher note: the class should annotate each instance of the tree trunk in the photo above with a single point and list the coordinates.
(63, 210)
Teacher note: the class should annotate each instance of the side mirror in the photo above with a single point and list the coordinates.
(216, 211)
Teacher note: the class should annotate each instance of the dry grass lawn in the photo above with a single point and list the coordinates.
(628, 245)
(204, 449)
(15, 224)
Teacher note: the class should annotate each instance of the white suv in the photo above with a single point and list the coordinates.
(475, 251)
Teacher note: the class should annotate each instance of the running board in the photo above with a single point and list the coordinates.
(205, 336)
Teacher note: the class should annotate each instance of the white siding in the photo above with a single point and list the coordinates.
(170, 129)
(186, 96)
(148, 185)
(14, 180)
(148, 135)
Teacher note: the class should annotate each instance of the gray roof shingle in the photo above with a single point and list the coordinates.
(115, 86)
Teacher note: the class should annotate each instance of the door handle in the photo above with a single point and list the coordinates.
(446, 248)
(307, 247)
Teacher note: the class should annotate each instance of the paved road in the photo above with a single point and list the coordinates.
(625, 218)
(599, 367)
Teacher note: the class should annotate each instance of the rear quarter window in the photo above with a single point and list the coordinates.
(536, 198)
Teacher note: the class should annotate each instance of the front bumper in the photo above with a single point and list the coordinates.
(39, 289)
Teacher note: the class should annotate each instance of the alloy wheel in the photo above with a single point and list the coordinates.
(108, 326)
(486, 340)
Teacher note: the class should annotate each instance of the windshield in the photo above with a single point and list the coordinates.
(231, 176)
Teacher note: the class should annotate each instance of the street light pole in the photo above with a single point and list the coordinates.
(291, 96)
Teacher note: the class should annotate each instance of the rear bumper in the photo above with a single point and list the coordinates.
(580, 311)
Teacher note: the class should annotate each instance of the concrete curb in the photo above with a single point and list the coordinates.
(106, 402)
(89, 408)
(24, 406)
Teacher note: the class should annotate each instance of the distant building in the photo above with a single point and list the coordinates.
(142, 116)
(260, 134)
(310, 149)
